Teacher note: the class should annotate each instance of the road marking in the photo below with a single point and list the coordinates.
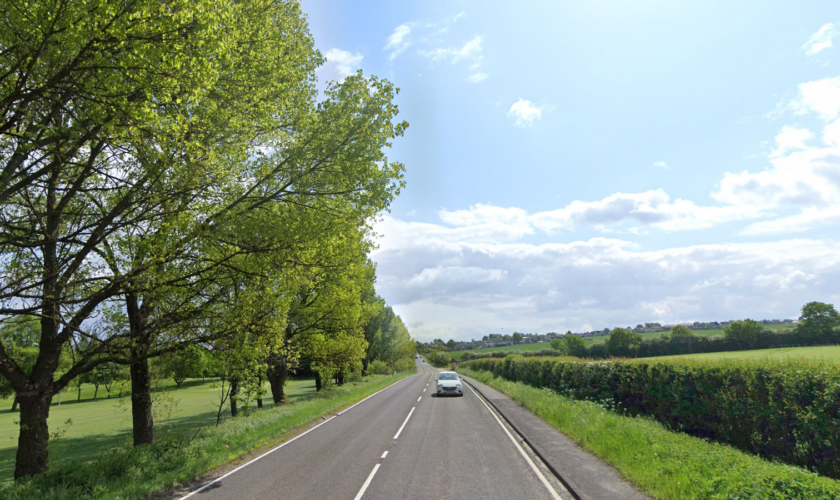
(424, 390)
(372, 395)
(403, 425)
(383, 455)
(539, 474)
(418, 399)
(188, 495)
(367, 482)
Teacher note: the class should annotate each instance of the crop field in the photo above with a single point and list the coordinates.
(88, 428)
(589, 341)
(820, 352)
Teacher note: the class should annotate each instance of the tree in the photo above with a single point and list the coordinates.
(559, 345)
(743, 333)
(623, 341)
(517, 337)
(681, 332)
(183, 364)
(575, 346)
(119, 178)
(818, 320)
(450, 344)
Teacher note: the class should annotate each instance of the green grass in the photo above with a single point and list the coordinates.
(97, 426)
(589, 341)
(665, 464)
(177, 456)
(831, 353)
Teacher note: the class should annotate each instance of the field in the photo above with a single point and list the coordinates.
(822, 352)
(96, 426)
(597, 340)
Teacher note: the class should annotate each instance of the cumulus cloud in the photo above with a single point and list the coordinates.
(661, 164)
(342, 62)
(821, 40)
(397, 42)
(819, 96)
(524, 113)
(790, 139)
(467, 288)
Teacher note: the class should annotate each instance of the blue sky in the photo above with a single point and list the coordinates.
(578, 165)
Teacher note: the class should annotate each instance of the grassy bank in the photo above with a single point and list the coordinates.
(665, 464)
(126, 472)
(90, 428)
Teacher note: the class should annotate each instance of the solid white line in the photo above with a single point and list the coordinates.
(383, 455)
(367, 482)
(418, 399)
(372, 395)
(254, 460)
(539, 474)
(403, 425)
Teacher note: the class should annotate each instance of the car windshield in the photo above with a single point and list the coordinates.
(448, 376)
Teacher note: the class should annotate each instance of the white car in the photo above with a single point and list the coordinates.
(448, 383)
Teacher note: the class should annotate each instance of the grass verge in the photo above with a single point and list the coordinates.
(132, 473)
(665, 464)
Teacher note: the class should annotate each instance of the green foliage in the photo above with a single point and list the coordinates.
(743, 332)
(783, 410)
(441, 359)
(666, 465)
(818, 319)
(517, 337)
(559, 345)
(378, 367)
(622, 342)
(681, 332)
(183, 364)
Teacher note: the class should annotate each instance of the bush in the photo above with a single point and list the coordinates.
(785, 410)
(379, 368)
(441, 359)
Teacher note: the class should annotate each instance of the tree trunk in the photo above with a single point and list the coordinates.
(141, 402)
(365, 364)
(14, 403)
(339, 379)
(79, 396)
(34, 433)
(318, 383)
(259, 397)
(95, 391)
(277, 379)
(234, 388)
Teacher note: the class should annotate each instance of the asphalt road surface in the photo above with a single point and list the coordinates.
(402, 443)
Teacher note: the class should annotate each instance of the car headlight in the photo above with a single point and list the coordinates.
(458, 386)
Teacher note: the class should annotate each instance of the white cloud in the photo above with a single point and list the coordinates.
(462, 288)
(790, 139)
(344, 63)
(649, 208)
(524, 113)
(821, 40)
(661, 164)
(819, 96)
(469, 51)
(477, 77)
(411, 213)
(397, 42)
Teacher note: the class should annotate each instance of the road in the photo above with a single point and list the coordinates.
(401, 443)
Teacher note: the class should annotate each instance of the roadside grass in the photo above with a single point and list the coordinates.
(830, 353)
(97, 426)
(590, 341)
(183, 453)
(667, 465)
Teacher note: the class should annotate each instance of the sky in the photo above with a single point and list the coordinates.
(585, 165)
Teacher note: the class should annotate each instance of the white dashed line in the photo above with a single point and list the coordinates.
(403, 425)
(383, 455)
(418, 399)
(367, 482)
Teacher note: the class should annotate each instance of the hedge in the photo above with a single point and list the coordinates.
(781, 410)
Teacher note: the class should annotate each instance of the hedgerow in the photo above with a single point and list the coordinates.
(782, 410)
